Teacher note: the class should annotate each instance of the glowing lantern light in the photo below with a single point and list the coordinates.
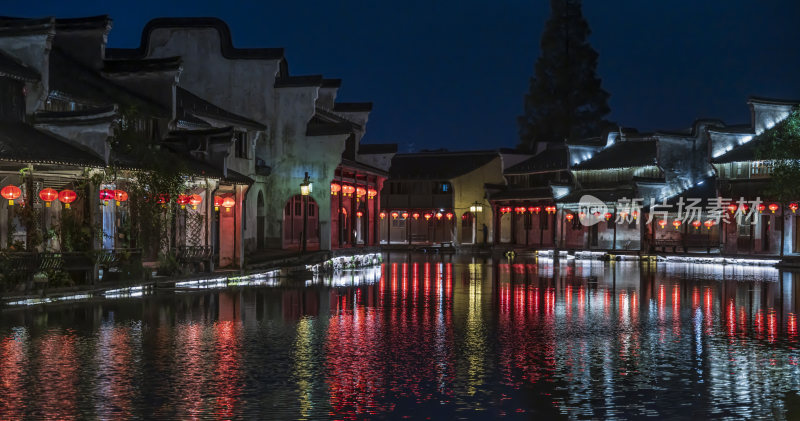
(635, 214)
(709, 223)
(569, 216)
(195, 200)
(520, 209)
(383, 215)
(10, 193)
(47, 196)
(449, 215)
(428, 216)
(183, 200)
(395, 215)
(120, 196)
(360, 191)
(404, 215)
(773, 207)
(623, 215)
(106, 195)
(535, 209)
(696, 224)
(438, 215)
(745, 207)
(761, 207)
(676, 223)
(217, 202)
(228, 203)
(348, 190)
(359, 214)
(793, 207)
(371, 193)
(581, 215)
(663, 223)
(335, 188)
(550, 209)
(66, 197)
(415, 215)
(608, 216)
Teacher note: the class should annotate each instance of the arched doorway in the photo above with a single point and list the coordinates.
(261, 221)
(293, 224)
(467, 228)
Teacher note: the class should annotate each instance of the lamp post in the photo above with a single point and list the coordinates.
(475, 208)
(305, 190)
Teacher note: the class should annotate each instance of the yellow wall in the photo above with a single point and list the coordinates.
(469, 188)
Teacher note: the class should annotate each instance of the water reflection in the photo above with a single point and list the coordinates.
(446, 336)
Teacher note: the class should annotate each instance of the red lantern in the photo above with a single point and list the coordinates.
(773, 207)
(635, 214)
(395, 215)
(608, 216)
(404, 215)
(732, 208)
(569, 217)
(360, 191)
(11, 193)
(383, 215)
(662, 223)
(676, 223)
(550, 209)
(745, 207)
(66, 197)
(183, 200)
(217, 202)
(335, 188)
(47, 196)
(415, 215)
(439, 215)
(623, 215)
(449, 215)
(761, 207)
(428, 216)
(793, 207)
(228, 203)
(106, 195)
(359, 214)
(163, 199)
(520, 209)
(709, 223)
(348, 190)
(581, 215)
(195, 200)
(120, 196)
(371, 193)
(696, 224)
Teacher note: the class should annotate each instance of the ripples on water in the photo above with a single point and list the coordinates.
(420, 337)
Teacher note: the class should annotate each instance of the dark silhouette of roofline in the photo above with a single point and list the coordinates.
(226, 41)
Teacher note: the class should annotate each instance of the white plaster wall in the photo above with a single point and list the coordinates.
(90, 136)
(33, 51)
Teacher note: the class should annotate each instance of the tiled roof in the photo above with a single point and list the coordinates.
(605, 195)
(438, 165)
(552, 159)
(24, 143)
(189, 103)
(377, 148)
(13, 68)
(78, 81)
(625, 154)
(537, 193)
(746, 152)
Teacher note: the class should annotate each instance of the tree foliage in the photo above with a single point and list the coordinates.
(565, 99)
(781, 144)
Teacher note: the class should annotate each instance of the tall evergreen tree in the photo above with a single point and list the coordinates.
(565, 99)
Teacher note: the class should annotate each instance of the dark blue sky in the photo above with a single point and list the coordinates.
(452, 73)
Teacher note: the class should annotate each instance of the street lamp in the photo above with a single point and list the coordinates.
(475, 208)
(305, 190)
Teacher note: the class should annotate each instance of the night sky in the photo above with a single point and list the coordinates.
(452, 74)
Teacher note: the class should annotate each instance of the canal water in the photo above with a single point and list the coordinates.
(439, 337)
